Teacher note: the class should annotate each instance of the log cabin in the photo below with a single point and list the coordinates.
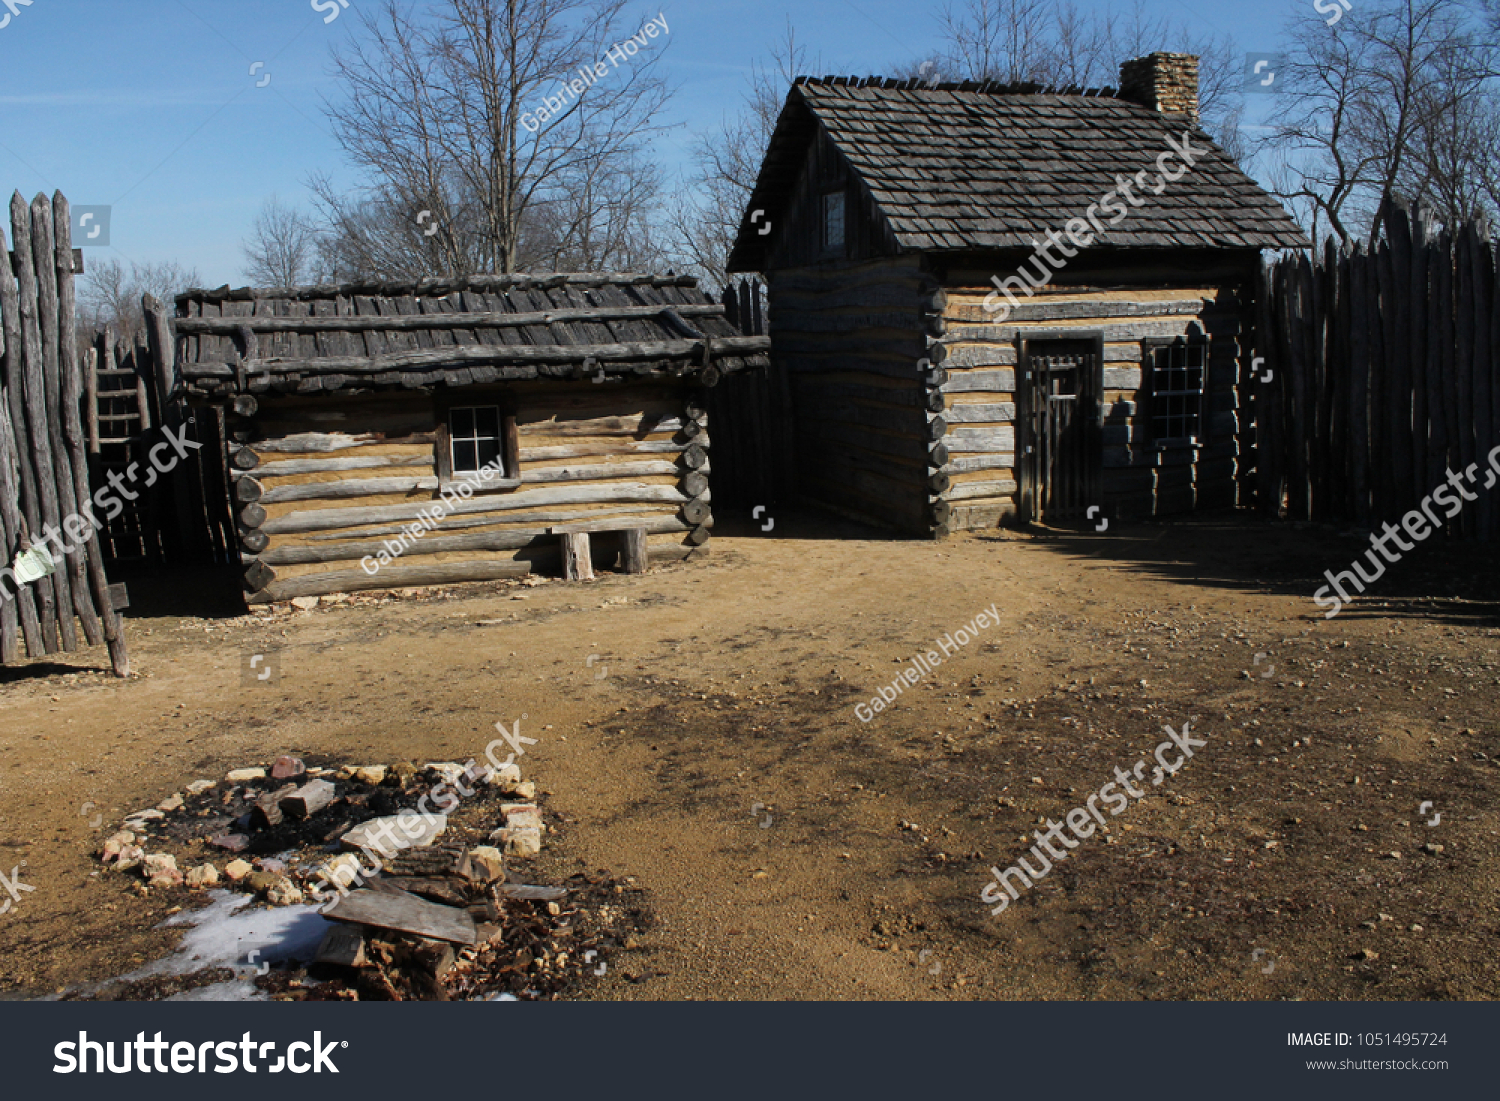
(388, 436)
(994, 301)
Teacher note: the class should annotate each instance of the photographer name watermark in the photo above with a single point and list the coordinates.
(574, 88)
(1084, 820)
(923, 664)
(428, 519)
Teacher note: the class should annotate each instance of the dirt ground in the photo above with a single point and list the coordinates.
(697, 732)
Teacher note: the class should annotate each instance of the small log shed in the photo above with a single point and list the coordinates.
(351, 409)
(884, 214)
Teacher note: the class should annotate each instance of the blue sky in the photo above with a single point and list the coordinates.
(150, 106)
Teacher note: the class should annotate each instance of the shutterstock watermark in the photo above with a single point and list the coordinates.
(1082, 231)
(589, 75)
(13, 8)
(37, 559)
(923, 664)
(428, 519)
(408, 827)
(1419, 523)
(1082, 821)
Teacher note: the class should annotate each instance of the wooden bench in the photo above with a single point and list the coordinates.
(578, 563)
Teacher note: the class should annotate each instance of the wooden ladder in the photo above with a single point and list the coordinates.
(119, 419)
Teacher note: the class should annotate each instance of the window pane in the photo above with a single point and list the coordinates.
(489, 451)
(462, 423)
(487, 422)
(833, 220)
(465, 456)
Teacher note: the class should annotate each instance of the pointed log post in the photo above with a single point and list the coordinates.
(72, 456)
(578, 563)
(106, 617)
(17, 481)
(56, 599)
(72, 589)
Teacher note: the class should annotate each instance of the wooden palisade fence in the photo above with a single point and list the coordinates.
(743, 416)
(183, 518)
(1384, 375)
(44, 477)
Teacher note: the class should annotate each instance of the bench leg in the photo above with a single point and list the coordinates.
(578, 562)
(633, 550)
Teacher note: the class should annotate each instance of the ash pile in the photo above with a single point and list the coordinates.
(410, 865)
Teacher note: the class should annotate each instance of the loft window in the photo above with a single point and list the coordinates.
(1176, 374)
(833, 221)
(475, 436)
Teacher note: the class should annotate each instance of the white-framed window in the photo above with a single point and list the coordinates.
(475, 437)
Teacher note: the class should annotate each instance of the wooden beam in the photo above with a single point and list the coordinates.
(461, 355)
(229, 326)
(340, 518)
(578, 564)
(633, 554)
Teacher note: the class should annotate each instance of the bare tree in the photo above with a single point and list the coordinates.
(477, 124)
(1400, 102)
(110, 293)
(282, 249)
(1060, 45)
(705, 222)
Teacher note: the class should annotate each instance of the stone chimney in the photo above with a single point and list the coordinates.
(1163, 82)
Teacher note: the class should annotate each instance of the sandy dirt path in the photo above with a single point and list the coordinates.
(697, 732)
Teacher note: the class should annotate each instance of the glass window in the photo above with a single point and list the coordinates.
(833, 221)
(476, 435)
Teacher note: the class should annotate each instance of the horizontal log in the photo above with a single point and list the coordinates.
(442, 288)
(1004, 382)
(449, 524)
(378, 487)
(453, 544)
(963, 355)
(252, 516)
(312, 520)
(1222, 328)
(966, 439)
(967, 491)
(603, 447)
(228, 326)
(981, 413)
(289, 468)
(970, 464)
(457, 356)
(391, 577)
(323, 442)
(1034, 310)
(606, 426)
(966, 517)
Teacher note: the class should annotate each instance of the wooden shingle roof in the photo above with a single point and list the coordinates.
(473, 331)
(987, 166)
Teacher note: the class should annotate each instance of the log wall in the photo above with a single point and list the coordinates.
(845, 340)
(323, 483)
(1139, 478)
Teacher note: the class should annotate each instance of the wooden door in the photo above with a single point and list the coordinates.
(1060, 446)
